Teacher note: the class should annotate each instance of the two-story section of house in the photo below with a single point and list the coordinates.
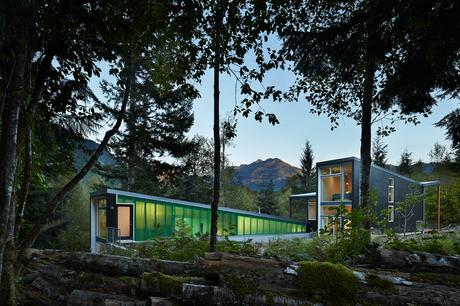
(338, 182)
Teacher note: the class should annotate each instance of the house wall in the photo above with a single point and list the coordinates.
(153, 218)
(379, 181)
(402, 186)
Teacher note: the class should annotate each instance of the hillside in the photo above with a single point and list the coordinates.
(258, 173)
(84, 150)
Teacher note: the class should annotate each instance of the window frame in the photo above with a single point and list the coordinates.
(101, 205)
(391, 213)
(391, 190)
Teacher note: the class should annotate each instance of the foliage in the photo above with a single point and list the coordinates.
(439, 154)
(451, 122)
(331, 283)
(308, 168)
(450, 203)
(379, 152)
(406, 208)
(236, 195)
(182, 247)
(405, 162)
(448, 244)
(267, 199)
(296, 249)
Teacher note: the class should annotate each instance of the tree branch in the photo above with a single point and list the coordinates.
(53, 203)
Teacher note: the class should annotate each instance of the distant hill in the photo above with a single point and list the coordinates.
(258, 173)
(85, 149)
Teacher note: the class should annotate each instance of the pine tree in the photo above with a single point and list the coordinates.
(405, 163)
(307, 168)
(267, 199)
(379, 152)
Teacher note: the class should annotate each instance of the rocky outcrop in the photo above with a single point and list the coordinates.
(418, 261)
(64, 278)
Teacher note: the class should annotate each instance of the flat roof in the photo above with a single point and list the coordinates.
(303, 195)
(430, 183)
(188, 203)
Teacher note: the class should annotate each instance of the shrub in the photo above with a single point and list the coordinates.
(333, 284)
(448, 244)
(296, 249)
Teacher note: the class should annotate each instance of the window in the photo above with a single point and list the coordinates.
(101, 218)
(312, 211)
(391, 190)
(391, 213)
(336, 183)
(335, 169)
(330, 189)
(347, 182)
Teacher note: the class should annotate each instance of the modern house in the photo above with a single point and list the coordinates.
(123, 216)
(338, 183)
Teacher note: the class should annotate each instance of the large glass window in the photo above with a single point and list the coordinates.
(336, 183)
(140, 220)
(347, 182)
(149, 221)
(240, 225)
(101, 207)
(330, 188)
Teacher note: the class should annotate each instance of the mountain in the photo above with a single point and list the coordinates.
(256, 174)
(84, 150)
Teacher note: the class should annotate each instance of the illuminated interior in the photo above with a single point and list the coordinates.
(124, 220)
(167, 219)
(336, 187)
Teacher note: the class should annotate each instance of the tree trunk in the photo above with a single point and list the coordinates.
(8, 147)
(24, 191)
(216, 186)
(8, 290)
(53, 203)
(366, 116)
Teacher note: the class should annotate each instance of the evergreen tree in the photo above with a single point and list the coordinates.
(344, 55)
(307, 168)
(405, 163)
(267, 199)
(439, 154)
(156, 124)
(379, 152)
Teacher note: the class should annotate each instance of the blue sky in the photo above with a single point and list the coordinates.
(286, 140)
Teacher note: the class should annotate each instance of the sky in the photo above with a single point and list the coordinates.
(286, 140)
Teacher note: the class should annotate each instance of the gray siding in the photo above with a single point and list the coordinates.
(402, 185)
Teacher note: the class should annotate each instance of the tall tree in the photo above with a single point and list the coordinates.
(58, 49)
(379, 152)
(219, 14)
(267, 199)
(439, 154)
(344, 52)
(307, 167)
(405, 162)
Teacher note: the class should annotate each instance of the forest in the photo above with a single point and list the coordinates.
(376, 63)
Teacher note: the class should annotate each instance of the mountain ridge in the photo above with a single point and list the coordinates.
(257, 174)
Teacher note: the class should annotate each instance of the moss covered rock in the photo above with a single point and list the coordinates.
(331, 284)
(157, 283)
(239, 285)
